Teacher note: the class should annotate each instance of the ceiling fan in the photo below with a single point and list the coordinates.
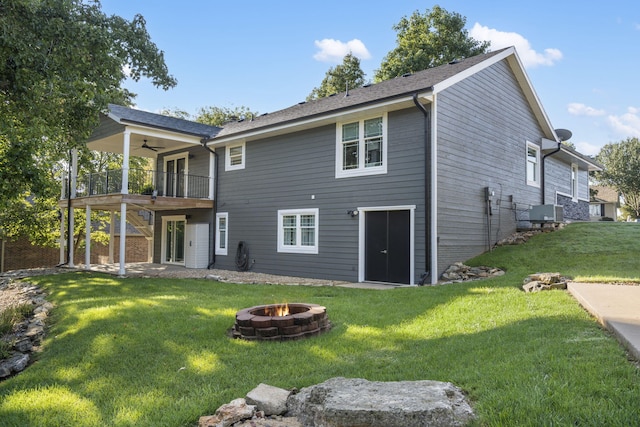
(150, 147)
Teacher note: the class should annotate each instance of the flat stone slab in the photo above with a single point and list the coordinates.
(355, 402)
(268, 399)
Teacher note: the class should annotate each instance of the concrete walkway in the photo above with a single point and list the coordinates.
(617, 307)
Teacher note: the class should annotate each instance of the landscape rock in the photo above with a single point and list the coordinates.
(271, 400)
(459, 272)
(27, 334)
(343, 402)
(13, 365)
(229, 414)
(544, 282)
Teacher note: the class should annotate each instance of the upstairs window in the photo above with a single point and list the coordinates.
(234, 157)
(533, 165)
(361, 147)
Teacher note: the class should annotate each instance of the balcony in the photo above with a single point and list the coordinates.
(157, 190)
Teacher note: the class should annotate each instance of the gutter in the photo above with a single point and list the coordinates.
(214, 211)
(426, 275)
(542, 169)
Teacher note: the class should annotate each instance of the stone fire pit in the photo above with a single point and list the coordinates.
(275, 322)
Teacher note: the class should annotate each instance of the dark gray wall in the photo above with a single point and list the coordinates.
(285, 172)
(484, 123)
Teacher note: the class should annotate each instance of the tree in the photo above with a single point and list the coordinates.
(35, 216)
(347, 75)
(61, 63)
(621, 163)
(426, 41)
(218, 116)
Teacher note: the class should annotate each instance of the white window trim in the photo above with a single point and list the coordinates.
(163, 241)
(361, 170)
(298, 248)
(575, 186)
(222, 250)
(227, 157)
(535, 183)
(182, 155)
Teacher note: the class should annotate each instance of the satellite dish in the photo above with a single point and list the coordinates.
(563, 134)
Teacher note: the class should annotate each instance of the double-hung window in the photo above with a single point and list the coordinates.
(222, 233)
(361, 147)
(234, 157)
(574, 182)
(298, 231)
(533, 165)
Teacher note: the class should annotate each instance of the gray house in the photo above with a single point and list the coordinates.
(391, 182)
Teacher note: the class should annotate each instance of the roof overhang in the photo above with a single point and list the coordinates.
(109, 137)
(351, 113)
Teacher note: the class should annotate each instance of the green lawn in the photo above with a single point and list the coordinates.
(153, 352)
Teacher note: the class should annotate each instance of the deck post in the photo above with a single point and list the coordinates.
(112, 235)
(123, 206)
(87, 239)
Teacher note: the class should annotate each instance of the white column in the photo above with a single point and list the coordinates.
(123, 236)
(123, 205)
(74, 182)
(87, 239)
(62, 219)
(112, 235)
(125, 162)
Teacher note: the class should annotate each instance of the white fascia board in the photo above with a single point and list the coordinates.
(548, 144)
(581, 159)
(163, 134)
(439, 87)
(373, 108)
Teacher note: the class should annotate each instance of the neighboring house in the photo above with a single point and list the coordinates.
(604, 204)
(390, 182)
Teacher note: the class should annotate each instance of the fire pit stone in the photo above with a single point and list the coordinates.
(280, 322)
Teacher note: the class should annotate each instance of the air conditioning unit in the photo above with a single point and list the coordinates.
(546, 213)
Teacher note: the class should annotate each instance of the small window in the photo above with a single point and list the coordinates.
(574, 181)
(235, 157)
(361, 147)
(298, 231)
(222, 233)
(533, 164)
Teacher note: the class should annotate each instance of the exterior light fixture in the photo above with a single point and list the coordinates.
(353, 212)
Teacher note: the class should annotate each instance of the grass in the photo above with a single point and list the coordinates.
(153, 352)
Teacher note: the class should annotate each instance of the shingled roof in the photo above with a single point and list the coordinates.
(369, 94)
(129, 115)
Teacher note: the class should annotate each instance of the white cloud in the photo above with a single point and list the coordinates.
(577, 109)
(628, 124)
(588, 148)
(500, 39)
(335, 50)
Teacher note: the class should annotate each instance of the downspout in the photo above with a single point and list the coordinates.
(214, 211)
(542, 169)
(426, 276)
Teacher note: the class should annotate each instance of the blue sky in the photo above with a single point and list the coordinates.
(582, 57)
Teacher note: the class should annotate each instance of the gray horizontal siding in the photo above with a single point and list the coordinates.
(285, 172)
(484, 123)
